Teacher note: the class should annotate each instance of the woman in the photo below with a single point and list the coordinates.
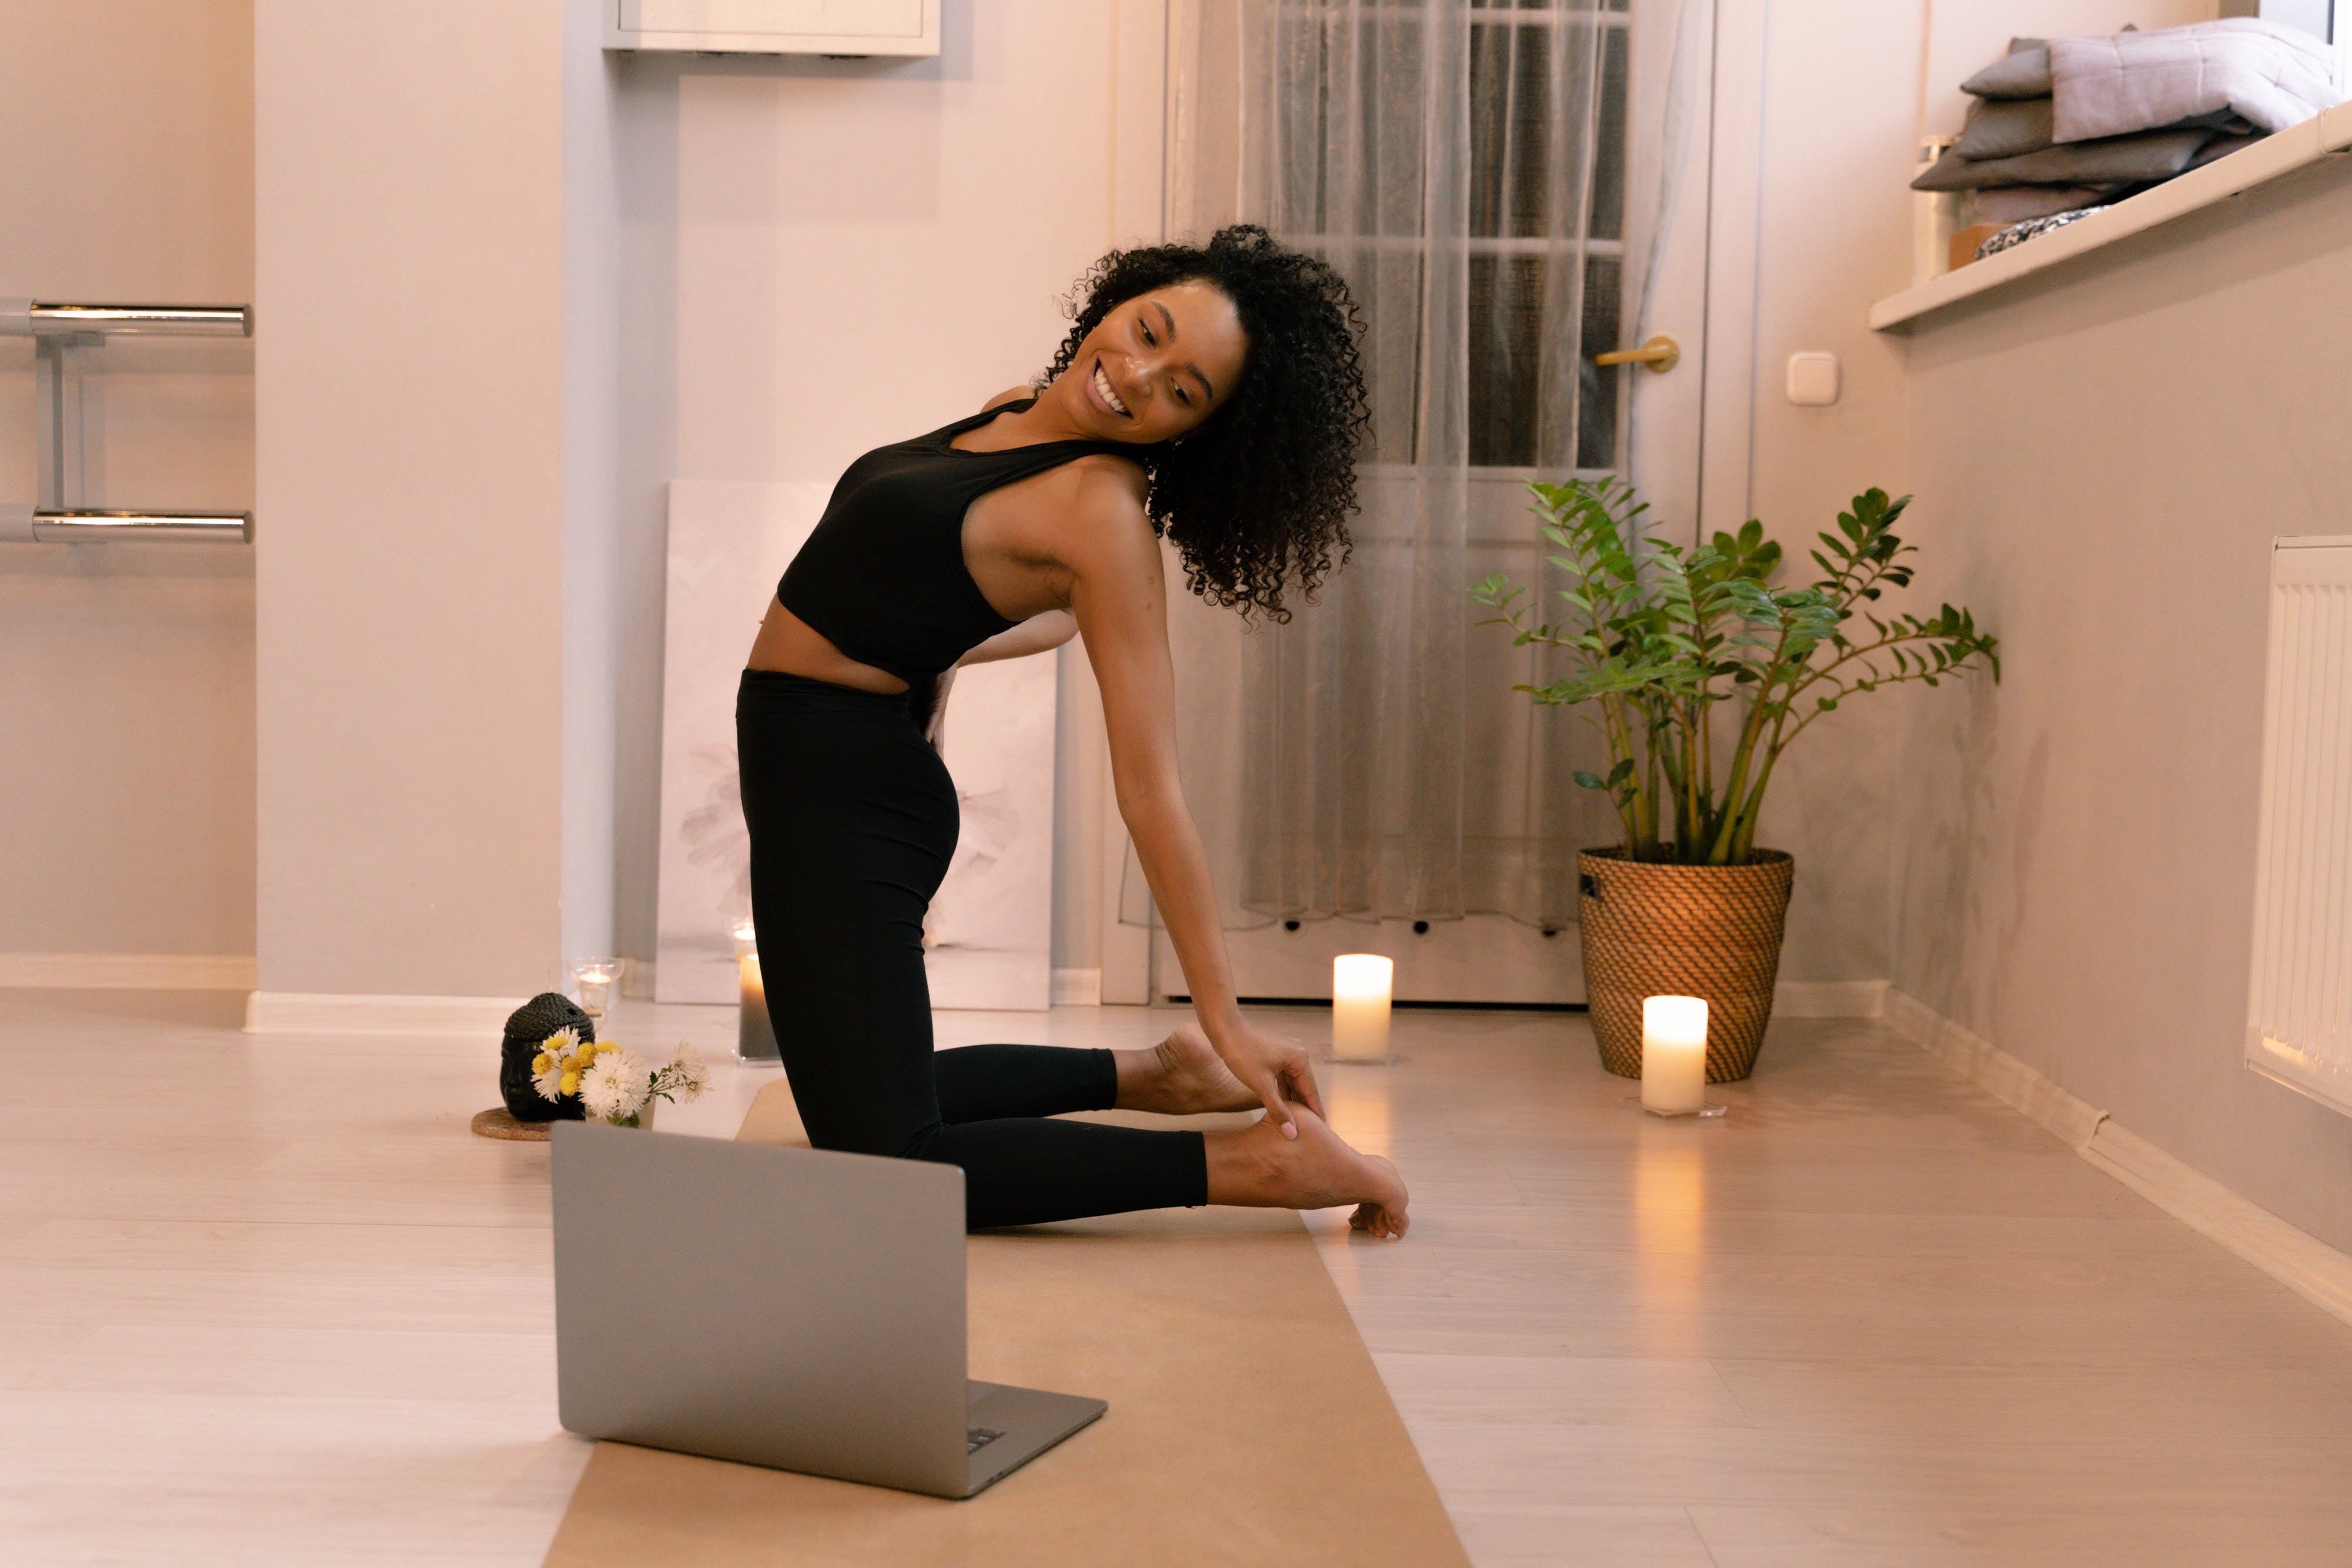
(1211, 393)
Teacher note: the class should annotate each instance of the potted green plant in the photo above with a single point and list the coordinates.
(1699, 673)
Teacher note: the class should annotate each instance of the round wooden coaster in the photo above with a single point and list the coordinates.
(498, 1122)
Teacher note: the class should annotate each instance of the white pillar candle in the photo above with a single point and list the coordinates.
(1674, 1054)
(1360, 1007)
(755, 1033)
(755, 1038)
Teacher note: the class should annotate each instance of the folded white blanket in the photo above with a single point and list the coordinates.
(2272, 75)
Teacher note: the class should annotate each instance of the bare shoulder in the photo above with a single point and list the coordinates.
(1108, 490)
(1104, 534)
(1085, 517)
(1010, 394)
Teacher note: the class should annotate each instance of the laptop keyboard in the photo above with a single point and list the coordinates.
(978, 1438)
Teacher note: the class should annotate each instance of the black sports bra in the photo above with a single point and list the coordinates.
(883, 577)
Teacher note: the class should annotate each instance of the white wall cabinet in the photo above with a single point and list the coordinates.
(775, 26)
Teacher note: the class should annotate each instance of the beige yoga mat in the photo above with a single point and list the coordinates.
(1247, 1424)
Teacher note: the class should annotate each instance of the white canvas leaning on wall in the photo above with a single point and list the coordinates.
(990, 925)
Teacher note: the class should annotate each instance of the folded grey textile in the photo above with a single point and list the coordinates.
(2017, 234)
(2017, 204)
(2006, 127)
(2273, 74)
(2221, 147)
(2023, 72)
(2150, 155)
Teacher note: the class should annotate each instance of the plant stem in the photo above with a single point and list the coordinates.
(1743, 834)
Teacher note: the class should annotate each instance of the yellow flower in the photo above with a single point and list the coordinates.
(588, 1049)
(570, 1084)
(543, 1061)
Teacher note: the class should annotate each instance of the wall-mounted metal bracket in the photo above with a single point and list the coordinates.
(60, 334)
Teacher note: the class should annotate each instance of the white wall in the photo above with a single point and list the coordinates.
(2110, 452)
(593, 410)
(410, 403)
(821, 257)
(2100, 460)
(126, 671)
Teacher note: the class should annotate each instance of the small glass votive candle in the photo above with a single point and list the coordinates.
(592, 983)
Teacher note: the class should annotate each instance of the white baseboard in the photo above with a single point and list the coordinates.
(314, 1012)
(2008, 1080)
(1077, 988)
(1829, 999)
(2296, 1258)
(130, 971)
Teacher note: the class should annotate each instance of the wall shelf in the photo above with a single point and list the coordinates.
(2323, 136)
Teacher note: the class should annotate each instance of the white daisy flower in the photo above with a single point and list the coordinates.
(563, 1042)
(686, 1077)
(550, 1084)
(615, 1088)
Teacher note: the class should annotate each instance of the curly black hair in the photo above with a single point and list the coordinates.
(1256, 497)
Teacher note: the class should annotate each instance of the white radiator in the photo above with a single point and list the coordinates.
(2299, 1012)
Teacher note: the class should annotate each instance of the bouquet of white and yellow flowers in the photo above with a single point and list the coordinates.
(612, 1083)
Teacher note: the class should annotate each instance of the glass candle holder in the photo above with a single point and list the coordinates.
(592, 983)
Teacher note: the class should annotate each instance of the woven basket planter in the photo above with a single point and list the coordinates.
(1710, 931)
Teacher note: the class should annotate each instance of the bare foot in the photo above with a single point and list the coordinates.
(1261, 1169)
(1381, 1219)
(1180, 1076)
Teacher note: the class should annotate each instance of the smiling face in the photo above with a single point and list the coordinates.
(1156, 366)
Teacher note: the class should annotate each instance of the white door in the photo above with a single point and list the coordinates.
(1673, 180)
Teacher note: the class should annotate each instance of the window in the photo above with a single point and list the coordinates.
(1538, 212)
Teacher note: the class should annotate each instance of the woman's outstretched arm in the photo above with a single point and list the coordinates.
(1038, 634)
(1118, 594)
(1034, 635)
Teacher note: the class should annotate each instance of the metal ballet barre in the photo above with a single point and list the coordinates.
(29, 319)
(22, 523)
(58, 331)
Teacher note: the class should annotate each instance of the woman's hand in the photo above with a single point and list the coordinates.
(1274, 1067)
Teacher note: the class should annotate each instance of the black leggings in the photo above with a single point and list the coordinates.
(853, 817)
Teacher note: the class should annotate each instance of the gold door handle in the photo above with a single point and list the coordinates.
(1661, 353)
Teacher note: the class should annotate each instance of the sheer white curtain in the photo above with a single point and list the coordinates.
(1463, 165)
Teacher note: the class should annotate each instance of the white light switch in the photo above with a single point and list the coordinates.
(1813, 379)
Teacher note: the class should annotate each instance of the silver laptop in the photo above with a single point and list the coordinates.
(782, 1307)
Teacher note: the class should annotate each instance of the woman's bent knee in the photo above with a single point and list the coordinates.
(885, 1144)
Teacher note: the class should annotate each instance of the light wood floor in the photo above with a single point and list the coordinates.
(267, 1302)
